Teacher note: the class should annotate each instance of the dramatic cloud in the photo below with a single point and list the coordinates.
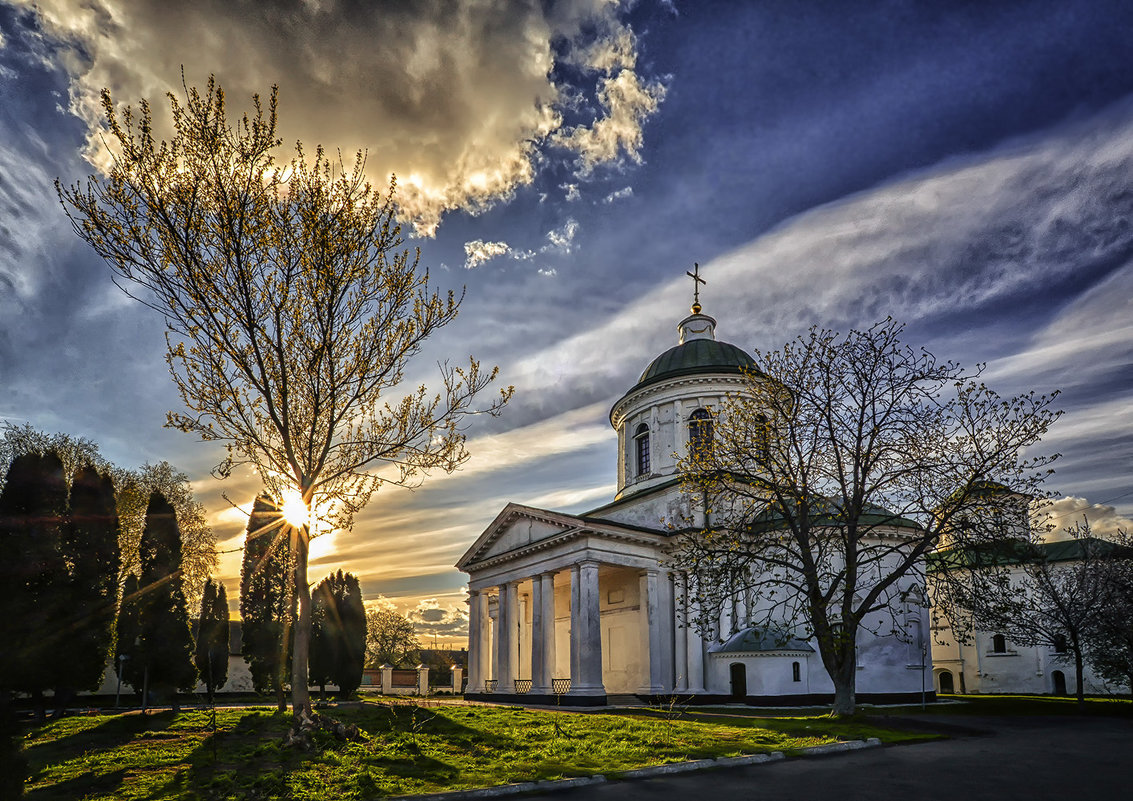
(1104, 521)
(478, 251)
(441, 617)
(627, 101)
(456, 98)
(562, 237)
(620, 194)
(559, 241)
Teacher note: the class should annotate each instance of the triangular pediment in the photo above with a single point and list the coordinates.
(517, 527)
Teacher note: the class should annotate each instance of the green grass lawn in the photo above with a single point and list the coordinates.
(410, 749)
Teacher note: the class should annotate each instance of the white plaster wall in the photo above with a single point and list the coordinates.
(523, 532)
(1022, 669)
(655, 511)
(665, 407)
(623, 664)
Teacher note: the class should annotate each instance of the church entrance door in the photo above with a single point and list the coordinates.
(739, 681)
(1059, 679)
(946, 685)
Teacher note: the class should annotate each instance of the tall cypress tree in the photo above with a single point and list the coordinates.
(323, 656)
(32, 514)
(90, 585)
(267, 599)
(166, 643)
(212, 637)
(127, 656)
(338, 633)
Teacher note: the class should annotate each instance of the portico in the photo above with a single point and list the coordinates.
(572, 610)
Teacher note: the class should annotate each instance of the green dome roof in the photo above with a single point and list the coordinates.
(694, 357)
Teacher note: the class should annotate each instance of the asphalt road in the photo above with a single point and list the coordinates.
(1031, 758)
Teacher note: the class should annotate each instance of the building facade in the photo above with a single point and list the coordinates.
(583, 609)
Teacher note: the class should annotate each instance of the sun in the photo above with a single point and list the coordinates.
(294, 510)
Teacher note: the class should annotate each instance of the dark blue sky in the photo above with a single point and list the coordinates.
(963, 167)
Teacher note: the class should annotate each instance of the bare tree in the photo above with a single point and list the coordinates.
(831, 475)
(292, 312)
(1110, 651)
(1034, 591)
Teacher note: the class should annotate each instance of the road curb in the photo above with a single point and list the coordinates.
(838, 748)
(668, 769)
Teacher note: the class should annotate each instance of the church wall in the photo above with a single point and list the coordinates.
(665, 408)
(562, 626)
(655, 511)
(619, 608)
(976, 667)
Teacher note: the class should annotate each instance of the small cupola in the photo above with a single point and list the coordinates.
(697, 326)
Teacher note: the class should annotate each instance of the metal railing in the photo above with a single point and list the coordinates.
(522, 686)
(560, 686)
(490, 685)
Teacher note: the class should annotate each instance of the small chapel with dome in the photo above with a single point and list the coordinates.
(586, 609)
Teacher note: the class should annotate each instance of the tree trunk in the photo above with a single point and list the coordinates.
(845, 685)
(1078, 683)
(300, 692)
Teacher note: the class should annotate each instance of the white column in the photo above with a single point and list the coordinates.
(477, 640)
(542, 633)
(505, 638)
(695, 643)
(680, 635)
(667, 618)
(650, 635)
(586, 632)
(726, 610)
(574, 640)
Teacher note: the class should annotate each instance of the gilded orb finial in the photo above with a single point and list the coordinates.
(696, 282)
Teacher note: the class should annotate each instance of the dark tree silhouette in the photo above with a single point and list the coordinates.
(128, 633)
(90, 584)
(266, 599)
(166, 644)
(338, 633)
(212, 638)
(13, 765)
(32, 509)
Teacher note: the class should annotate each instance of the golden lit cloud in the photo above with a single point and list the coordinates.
(455, 98)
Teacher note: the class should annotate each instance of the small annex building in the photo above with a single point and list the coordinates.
(583, 609)
(988, 662)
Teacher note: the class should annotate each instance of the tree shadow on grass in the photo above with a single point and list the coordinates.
(250, 761)
(110, 733)
(94, 775)
(86, 785)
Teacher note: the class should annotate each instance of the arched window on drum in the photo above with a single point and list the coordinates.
(699, 434)
(641, 450)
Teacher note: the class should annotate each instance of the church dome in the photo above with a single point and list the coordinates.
(697, 356)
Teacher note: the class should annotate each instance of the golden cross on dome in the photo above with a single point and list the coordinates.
(696, 282)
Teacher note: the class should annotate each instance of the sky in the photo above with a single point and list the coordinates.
(964, 167)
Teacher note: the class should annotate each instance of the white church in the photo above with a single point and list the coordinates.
(585, 610)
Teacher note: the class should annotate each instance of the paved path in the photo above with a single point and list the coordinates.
(1031, 758)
